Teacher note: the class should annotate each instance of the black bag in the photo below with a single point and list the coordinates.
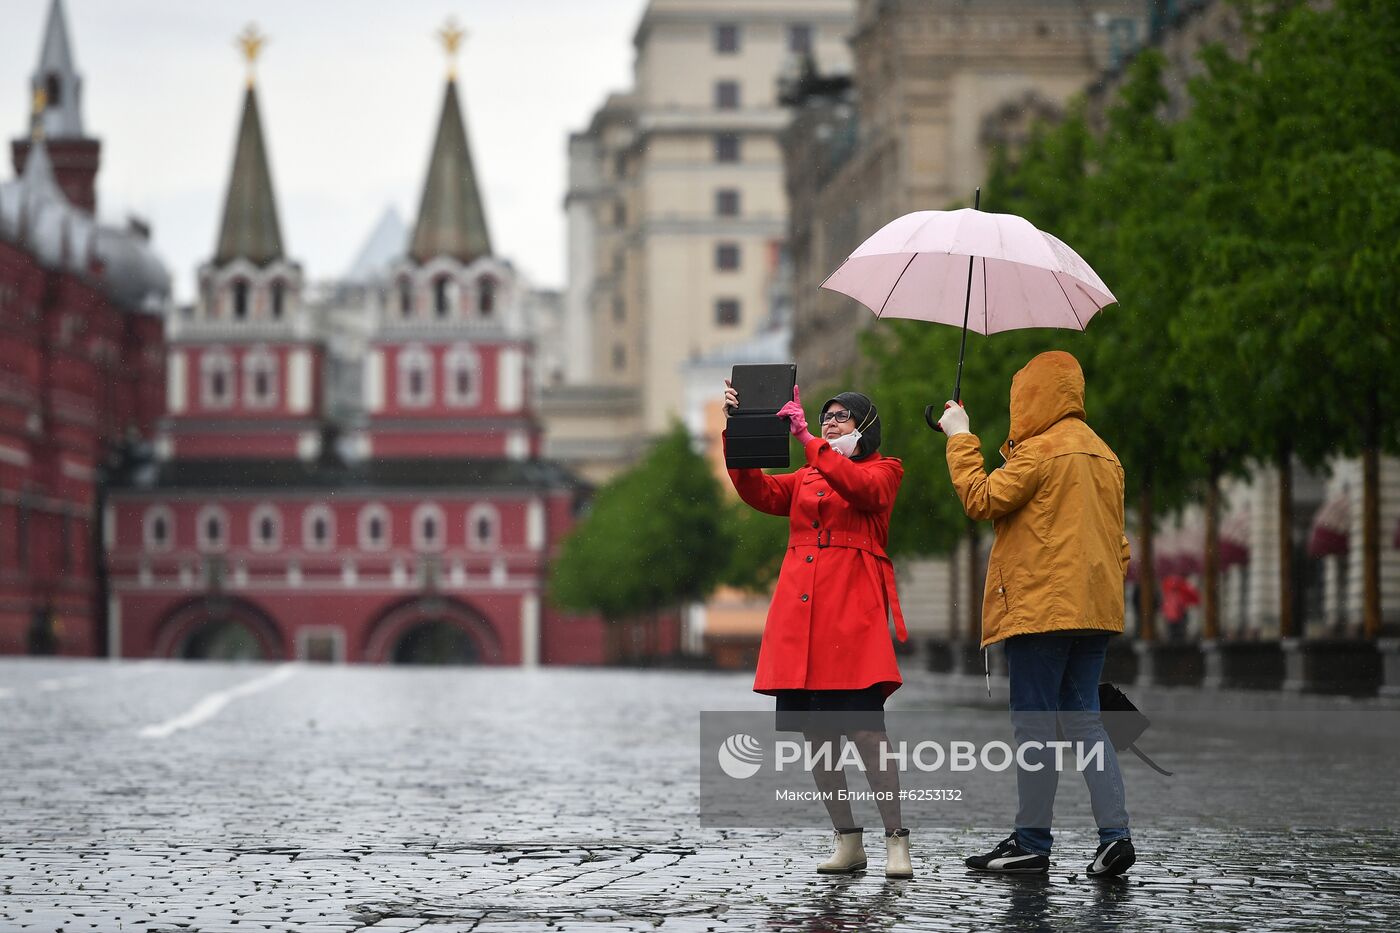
(1126, 725)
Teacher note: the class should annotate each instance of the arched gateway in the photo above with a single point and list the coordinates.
(219, 628)
(432, 630)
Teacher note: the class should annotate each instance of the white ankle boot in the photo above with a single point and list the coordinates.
(897, 863)
(849, 855)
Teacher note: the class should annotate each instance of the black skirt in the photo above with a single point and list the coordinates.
(839, 711)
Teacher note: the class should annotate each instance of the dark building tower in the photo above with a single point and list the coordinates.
(245, 364)
(451, 220)
(57, 117)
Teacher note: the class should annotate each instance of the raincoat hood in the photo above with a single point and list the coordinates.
(1047, 390)
(867, 418)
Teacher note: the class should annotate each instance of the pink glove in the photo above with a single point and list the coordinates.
(797, 420)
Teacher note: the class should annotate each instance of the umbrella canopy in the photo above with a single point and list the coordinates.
(1331, 528)
(916, 267)
(1234, 540)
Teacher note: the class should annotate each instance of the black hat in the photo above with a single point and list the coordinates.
(867, 421)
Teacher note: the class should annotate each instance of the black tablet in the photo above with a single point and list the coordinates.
(755, 437)
(763, 389)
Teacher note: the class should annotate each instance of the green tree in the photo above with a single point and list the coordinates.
(654, 539)
(1294, 155)
(759, 545)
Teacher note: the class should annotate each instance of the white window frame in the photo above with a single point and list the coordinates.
(420, 541)
(486, 282)
(414, 356)
(148, 531)
(201, 524)
(260, 358)
(366, 514)
(208, 364)
(249, 299)
(461, 356)
(255, 518)
(278, 288)
(452, 295)
(476, 512)
(308, 521)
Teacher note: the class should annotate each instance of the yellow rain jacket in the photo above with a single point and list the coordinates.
(1060, 557)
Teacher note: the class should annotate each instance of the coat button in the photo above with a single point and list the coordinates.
(816, 524)
(820, 493)
(804, 597)
(809, 558)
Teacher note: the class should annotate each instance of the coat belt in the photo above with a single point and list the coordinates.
(825, 538)
(828, 538)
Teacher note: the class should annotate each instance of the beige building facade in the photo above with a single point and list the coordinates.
(677, 204)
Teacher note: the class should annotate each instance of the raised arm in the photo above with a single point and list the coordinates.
(990, 496)
(771, 494)
(869, 489)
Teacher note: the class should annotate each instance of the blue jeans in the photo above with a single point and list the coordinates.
(1055, 682)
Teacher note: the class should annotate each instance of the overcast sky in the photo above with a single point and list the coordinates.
(350, 92)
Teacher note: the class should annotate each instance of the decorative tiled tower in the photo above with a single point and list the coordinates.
(57, 90)
(446, 368)
(424, 533)
(244, 367)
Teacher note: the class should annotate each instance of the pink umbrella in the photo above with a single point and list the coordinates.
(1016, 276)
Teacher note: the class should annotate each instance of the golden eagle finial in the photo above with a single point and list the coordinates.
(250, 42)
(38, 105)
(451, 36)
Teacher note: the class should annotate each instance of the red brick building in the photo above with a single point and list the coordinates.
(415, 525)
(240, 479)
(81, 364)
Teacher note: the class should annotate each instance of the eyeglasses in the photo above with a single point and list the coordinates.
(840, 416)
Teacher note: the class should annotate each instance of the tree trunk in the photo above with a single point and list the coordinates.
(1371, 520)
(974, 602)
(1286, 624)
(1210, 610)
(1147, 573)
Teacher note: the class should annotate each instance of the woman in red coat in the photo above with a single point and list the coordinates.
(826, 646)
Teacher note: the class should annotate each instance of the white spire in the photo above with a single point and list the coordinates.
(38, 174)
(57, 80)
(387, 243)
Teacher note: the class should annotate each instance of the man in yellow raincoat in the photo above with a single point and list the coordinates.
(1054, 596)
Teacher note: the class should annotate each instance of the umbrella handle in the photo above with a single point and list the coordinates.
(928, 417)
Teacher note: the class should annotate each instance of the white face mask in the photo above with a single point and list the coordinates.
(845, 445)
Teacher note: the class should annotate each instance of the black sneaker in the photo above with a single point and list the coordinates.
(1009, 859)
(1112, 858)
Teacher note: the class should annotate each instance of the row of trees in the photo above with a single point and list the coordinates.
(1254, 246)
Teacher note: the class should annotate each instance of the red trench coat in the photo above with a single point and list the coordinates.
(828, 625)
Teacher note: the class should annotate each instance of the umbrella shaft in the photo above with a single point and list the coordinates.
(962, 351)
(967, 305)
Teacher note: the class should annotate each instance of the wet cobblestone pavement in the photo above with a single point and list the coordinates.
(165, 797)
